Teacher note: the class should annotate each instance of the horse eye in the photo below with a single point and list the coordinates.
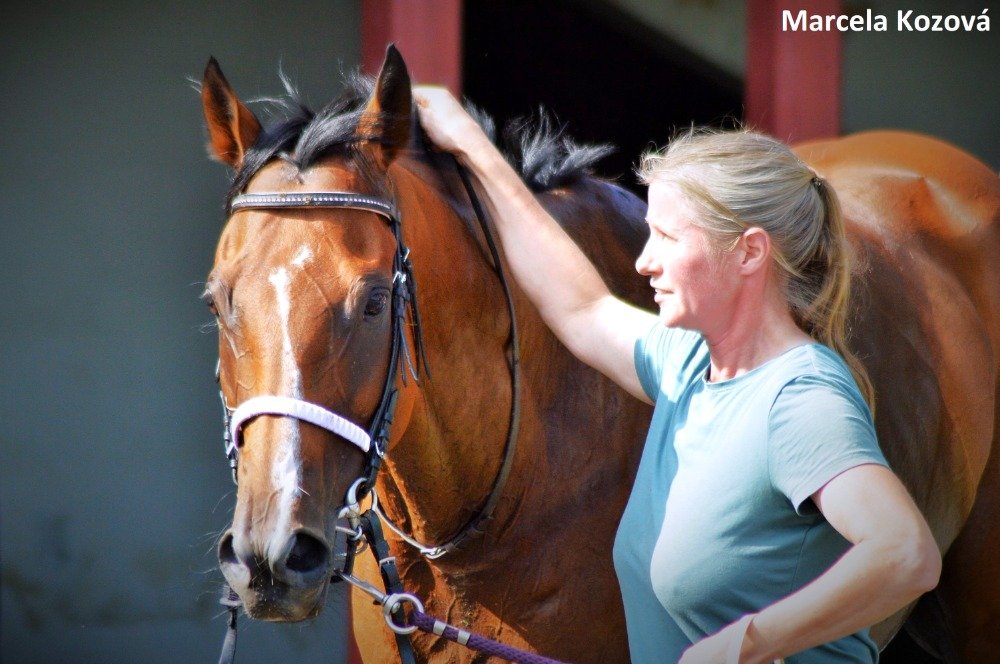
(376, 303)
(209, 302)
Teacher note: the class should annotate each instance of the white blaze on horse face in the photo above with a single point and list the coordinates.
(286, 468)
(303, 257)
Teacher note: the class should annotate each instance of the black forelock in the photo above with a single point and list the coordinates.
(302, 137)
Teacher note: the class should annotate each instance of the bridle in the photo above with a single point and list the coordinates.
(373, 442)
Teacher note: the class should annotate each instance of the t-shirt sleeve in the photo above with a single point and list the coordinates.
(659, 347)
(817, 429)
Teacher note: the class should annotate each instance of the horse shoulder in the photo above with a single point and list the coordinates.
(922, 219)
(924, 345)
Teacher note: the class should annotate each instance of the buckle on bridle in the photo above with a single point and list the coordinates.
(393, 603)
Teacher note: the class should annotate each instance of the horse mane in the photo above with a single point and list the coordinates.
(545, 157)
(538, 149)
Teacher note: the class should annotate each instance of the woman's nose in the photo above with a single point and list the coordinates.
(645, 264)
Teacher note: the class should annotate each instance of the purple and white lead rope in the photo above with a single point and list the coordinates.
(432, 626)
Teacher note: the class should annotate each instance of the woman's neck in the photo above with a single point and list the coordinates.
(758, 330)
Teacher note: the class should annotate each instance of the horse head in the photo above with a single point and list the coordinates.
(305, 294)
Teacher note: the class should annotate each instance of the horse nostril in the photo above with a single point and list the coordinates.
(307, 554)
(227, 554)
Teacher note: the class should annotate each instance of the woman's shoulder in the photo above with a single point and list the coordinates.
(815, 363)
(668, 353)
(818, 426)
(814, 376)
(676, 348)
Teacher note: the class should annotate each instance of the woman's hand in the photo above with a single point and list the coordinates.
(446, 122)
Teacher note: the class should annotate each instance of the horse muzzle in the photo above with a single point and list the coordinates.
(285, 583)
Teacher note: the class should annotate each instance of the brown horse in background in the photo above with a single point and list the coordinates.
(300, 298)
(923, 219)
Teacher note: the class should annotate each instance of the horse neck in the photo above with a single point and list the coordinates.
(579, 434)
(442, 469)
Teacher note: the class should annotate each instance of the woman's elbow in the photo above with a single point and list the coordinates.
(918, 562)
(930, 568)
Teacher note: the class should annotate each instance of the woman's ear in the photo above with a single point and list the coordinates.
(755, 248)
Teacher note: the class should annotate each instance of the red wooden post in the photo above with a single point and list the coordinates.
(428, 33)
(792, 76)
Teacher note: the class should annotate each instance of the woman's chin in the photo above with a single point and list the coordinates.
(669, 317)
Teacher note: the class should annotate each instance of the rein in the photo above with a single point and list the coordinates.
(374, 441)
(472, 527)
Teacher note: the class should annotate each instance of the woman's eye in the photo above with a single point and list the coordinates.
(376, 303)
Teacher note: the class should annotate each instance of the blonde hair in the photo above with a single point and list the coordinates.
(741, 179)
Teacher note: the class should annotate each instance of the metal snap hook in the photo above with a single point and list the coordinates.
(351, 507)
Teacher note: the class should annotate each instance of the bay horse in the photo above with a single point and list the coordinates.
(301, 298)
(304, 296)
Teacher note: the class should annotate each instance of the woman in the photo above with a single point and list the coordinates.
(763, 522)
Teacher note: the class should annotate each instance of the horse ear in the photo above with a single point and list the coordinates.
(386, 118)
(232, 127)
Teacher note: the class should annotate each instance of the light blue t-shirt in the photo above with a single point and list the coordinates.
(719, 522)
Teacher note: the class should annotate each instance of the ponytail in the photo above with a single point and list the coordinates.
(822, 288)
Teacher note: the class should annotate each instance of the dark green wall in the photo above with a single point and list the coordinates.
(113, 484)
(946, 84)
